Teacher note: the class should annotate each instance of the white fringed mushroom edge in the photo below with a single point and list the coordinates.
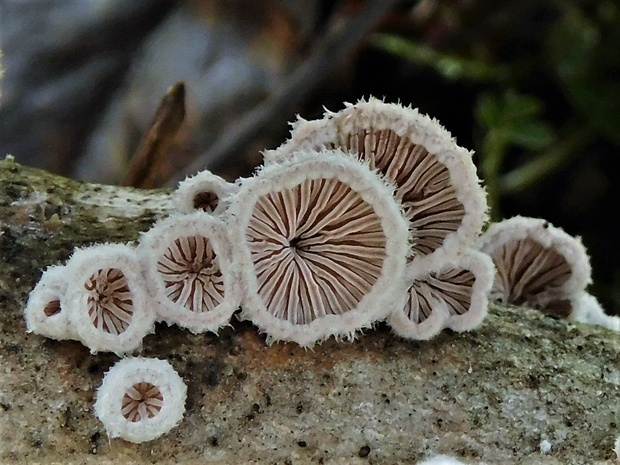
(420, 129)
(548, 236)
(82, 264)
(203, 181)
(51, 287)
(482, 268)
(308, 165)
(121, 377)
(152, 246)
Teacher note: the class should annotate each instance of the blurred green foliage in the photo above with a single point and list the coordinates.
(518, 146)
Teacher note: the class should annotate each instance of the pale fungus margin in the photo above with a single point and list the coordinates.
(203, 191)
(107, 299)
(45, 312)
(543, 267)
(140, 399)
(435, 179)
(321, 244)
(187, 260)
(369, 214)
(451, 294)
(538, 265)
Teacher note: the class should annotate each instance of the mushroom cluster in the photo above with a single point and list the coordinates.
(370, 214)
(365, 215)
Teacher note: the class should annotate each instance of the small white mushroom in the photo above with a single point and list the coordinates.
(538, 265)
(106, 298)
(203, 191)
(435, 179)
(140, 399)
(321, 246)
(187, 261)
(452, 293)
(45, 313)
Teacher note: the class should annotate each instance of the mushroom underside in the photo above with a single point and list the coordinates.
(141, 401)
(423, 183)
(191, 274)
(533, 275)
(317, 249)
(110, 303)
(452, 287)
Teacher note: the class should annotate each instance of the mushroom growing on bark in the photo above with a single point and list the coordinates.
(435, 179)
(187, 261)
(45, 313)
(538, 265)
(321, 246)
(204, 191)
(452, 293)
(106, 298)
(140, 399)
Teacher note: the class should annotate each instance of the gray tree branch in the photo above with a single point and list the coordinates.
(494, 395)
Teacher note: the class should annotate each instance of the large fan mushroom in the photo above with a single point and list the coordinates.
(321, 246)
(435, 179)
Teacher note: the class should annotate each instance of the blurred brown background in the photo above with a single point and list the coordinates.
(530, 85)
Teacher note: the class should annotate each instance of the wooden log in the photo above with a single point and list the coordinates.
(523, 388)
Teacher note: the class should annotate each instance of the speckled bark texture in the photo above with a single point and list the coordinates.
(489, 396)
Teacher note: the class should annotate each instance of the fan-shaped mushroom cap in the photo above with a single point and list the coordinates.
(321, 246)
(187, 261)
(106, 298)
(45, 313)
(538, 265)
(204, 191)
(435, 179)
(452, 294)
(140, 399)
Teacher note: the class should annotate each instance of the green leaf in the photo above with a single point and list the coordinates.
(521, 106)
(531, 135)
(450, 66)
(584, 56)
(488, 110)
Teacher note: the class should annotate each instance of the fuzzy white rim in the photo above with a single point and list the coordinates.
(442, 315)
(155, 242)
(420, 129)
(203, 182)
(127, 373)
(483, 270)
(88, 261)
(587, 309)
(549, 237)
(372, 190)
(45, 313)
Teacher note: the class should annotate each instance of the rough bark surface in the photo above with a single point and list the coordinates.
(488, 396)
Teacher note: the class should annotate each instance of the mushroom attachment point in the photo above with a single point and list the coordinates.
(435, 179)
(140, 399)
(321, 246)
(187, 261)
(106, 298)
